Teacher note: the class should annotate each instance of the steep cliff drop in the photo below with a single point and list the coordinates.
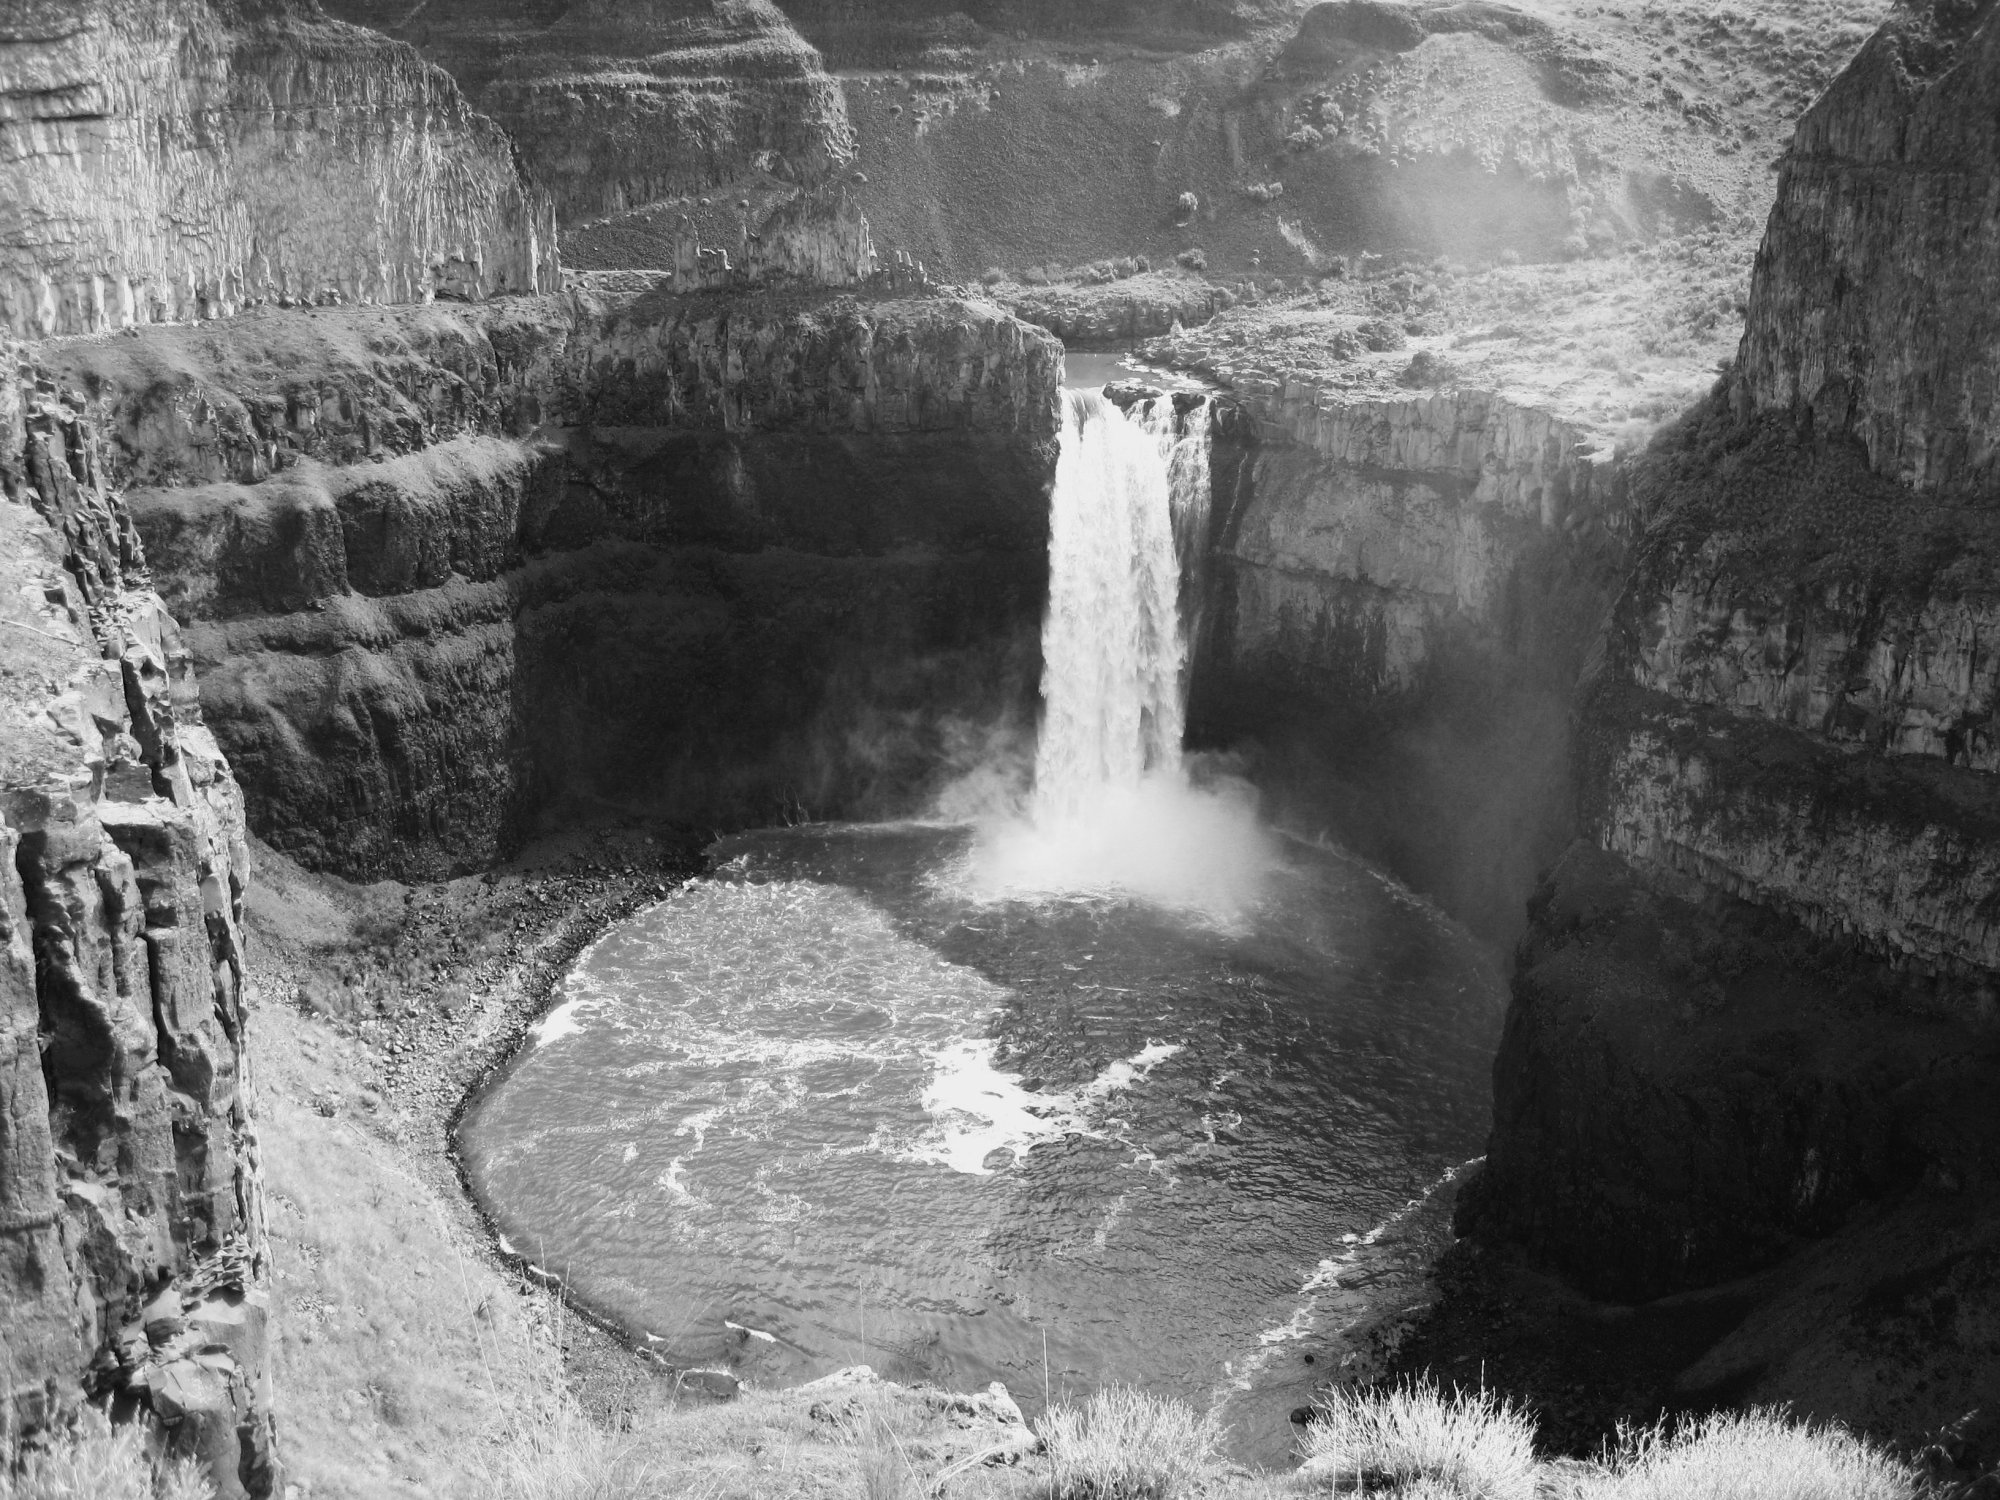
(133, 1261)
(1112, 807)
(1754, 1018)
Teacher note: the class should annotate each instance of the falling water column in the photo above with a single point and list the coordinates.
(1114, 648)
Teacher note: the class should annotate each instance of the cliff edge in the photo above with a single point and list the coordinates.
(1754, 1018)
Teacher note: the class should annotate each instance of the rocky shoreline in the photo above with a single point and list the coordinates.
(463, 1022)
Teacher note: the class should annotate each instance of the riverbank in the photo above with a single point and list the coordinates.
(413, 1359)
(405, 1342)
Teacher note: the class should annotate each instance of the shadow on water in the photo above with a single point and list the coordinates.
(824, 1108)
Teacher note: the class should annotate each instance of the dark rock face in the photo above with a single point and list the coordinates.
(1756, 1005)
(132, 1248)
(716, 558)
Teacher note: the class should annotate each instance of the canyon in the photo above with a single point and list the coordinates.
(422, 431)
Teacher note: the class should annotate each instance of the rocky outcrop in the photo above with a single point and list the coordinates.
(1406, 586)
(1117, 312)
(619, 103)
(168, 159)
(1756, 1005)
(1872, 304)
(716, 558)
(132, 1246)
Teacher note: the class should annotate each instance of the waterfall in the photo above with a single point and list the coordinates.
(1131, 497)
(1113, 811)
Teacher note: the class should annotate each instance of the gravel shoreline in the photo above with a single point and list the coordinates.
(439, 1008)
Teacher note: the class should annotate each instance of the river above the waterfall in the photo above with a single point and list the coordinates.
(823, 1108)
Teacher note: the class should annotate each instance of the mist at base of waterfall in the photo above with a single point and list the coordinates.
(1115, 809)
(1194, 847)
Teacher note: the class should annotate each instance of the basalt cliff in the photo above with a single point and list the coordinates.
(332, 517)
(170, 159)
(132, 1255)
(1754, 1018)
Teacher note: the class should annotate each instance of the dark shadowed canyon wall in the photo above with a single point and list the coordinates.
(1755, 1012)
(716, 558)
(1405, 589)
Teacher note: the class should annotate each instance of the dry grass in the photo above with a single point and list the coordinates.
(565, 1456)
(1757, 1455)
(874, 1442)
(1473, 1446)
(1124, 1445)
(95, 1461)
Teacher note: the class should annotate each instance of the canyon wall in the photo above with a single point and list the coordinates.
(132, 1247)
(1755, 1010)
(615, 104)
(727, 559)
(865, 33)
(163, 160)
(1406, 586)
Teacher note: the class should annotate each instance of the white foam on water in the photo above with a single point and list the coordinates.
(1325, 1277)
(1128, 1070)
(674, 1180)
(565, 1020)
(978, 1108)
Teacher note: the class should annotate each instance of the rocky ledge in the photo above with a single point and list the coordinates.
(445, 569)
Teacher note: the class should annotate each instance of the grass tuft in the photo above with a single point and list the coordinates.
(1755, 1455)
(95, 1461)
(1418, 1438)
(560, 1454)
(1125, 1445)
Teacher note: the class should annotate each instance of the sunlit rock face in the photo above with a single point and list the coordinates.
(858, 32)
(1873, 301)
(134, 1259)
(615, 104)
(171, 159)
(1756, 1004)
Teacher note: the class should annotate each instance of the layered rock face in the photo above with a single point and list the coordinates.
(855, 33)
(132, 1246)
(1405, 590)
(171, 159)
(1872, 304)
(715, 558)
(615, 104)
(1756, 1005)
